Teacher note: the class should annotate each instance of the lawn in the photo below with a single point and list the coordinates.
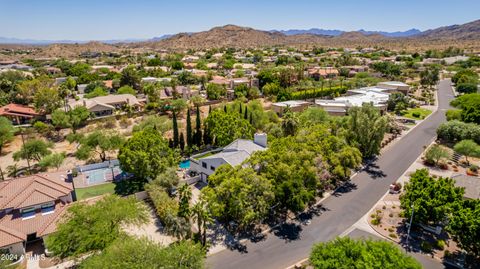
(417, 113)
(97, 190)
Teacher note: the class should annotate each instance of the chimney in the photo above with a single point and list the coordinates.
(260, 139)
(69, 176)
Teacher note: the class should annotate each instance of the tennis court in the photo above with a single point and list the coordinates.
(103, 172)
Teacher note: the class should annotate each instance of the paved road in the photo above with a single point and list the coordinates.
(343, 209)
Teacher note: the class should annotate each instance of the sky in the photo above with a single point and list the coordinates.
(121, 19)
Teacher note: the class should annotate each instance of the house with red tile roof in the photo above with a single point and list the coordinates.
(19, 114)
(30, 208)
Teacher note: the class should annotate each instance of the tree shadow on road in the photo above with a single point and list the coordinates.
(345, 188)
(288, 231)
(374, 171)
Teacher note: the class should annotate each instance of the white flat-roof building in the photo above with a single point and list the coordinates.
(378, 97)
(294, 105)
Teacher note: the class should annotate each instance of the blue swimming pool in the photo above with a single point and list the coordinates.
(185, 164)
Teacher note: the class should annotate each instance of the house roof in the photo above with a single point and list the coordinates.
(236, 152)
(10, 236)
(243, 144)
(18, 110)
(107, 101)
(32, 190)
(17, 228)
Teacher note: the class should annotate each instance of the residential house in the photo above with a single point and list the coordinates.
(20, 114)
(339, 106)
(107, 105)
(30, 207)
(394, 86)
(322, 72)
(234, 154)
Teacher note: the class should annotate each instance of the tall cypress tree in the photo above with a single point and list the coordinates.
(245, 116)
(251, 119)
(175, 130)
(198, 130)
(240, 111)
(209, 109)
(225, 109)
(181, 143)
(189, 129)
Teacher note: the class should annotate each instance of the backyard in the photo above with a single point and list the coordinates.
(97, 190)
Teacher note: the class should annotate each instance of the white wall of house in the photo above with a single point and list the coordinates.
(204, 166)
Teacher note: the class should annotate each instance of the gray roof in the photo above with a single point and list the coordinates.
(243, 144)
(471, 185)
(236, 152)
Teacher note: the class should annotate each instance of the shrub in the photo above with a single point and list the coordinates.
(390, 215)
(454, 131)
(391, 230)
(454, 114)
(392, 235)
(416, 114)
(440, 244)
(375, 221)
(473, 168)
(426, 247)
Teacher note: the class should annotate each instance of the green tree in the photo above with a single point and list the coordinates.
(46, 100)
(346, 159)
(98, 91)
(167, 180)
(176, 137)
(435, 154)
(432, 199)
(366, 128)
(126, 90)
(146, 155)
(464, 225)
(239, 195)
(201, 214)
(290, 123)
(6, 132)
(226, 127)
(468, 148)
(189, 130)
(130, 77)
(349, 253)
(198, 128)
(181, 142)
(99, 143)
(53, 160)
(467, 87)
(215, 91)
(185, 195)
(94, 227)
(34, 149)
(143, 253)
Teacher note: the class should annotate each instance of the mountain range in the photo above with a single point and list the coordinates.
(444, 31)
(466, 36)
(317, 31)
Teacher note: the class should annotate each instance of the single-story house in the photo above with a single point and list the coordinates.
(30, 208)
(233, 154)
(19, 114)
(322, 72)
(394, 86)
(106, 105)
(340, 105)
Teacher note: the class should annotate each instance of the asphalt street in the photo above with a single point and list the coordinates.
(287, 245)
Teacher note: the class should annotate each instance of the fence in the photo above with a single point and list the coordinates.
(96, 166)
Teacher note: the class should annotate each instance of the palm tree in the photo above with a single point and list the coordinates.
(202, 216)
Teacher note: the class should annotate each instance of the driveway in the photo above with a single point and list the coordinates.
(286, 246)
